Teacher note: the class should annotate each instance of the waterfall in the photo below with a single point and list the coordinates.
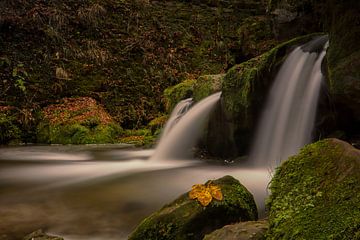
(288, 119)
(180, 109)
(181, 138)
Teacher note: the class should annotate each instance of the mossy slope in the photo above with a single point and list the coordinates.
(123, 53)
(186, 219)
(316, 194)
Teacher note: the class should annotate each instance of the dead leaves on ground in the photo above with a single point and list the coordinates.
(205, 193)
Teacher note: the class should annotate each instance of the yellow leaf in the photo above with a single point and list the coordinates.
(215, 192)
(196, 191)
(205, 193)
(205, 198)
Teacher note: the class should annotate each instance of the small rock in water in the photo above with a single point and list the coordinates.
(252, 230)
(40, 235)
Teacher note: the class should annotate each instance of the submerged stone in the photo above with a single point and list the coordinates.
(186, 219)
(252, 230)
(316, 194)
(40, 235)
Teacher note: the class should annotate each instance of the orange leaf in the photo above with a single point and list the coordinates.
(216, 192)
(205, 198)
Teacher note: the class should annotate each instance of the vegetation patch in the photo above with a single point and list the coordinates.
(76, 121)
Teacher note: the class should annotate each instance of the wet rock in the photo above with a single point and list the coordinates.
(316, 194)
(40, 235)
(187, 219)
(254, 230)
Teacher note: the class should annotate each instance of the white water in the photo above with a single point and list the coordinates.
(180, 109)
(287, 122)
(180, 141)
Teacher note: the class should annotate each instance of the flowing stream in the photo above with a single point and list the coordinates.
(104, 191)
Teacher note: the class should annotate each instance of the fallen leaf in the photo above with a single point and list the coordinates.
(216, 192)
(205, 193)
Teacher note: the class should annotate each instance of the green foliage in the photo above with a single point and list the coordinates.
(77, 134)
(316, 194)
(9, 131)
(157, 123)
(76, 121)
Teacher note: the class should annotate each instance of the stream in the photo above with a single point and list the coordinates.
(99, 191)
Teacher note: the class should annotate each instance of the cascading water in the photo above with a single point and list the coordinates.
(179, 142)
(288, 119)
(180, 109)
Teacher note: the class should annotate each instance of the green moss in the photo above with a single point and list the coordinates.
(186, 219)
(316, 194)
(77, 134)
(157, 123)
(206, 85)
(76, 121)
(181, 91)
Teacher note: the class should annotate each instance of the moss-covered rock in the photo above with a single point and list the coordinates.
(252, 230)
(244, 90)
(198, 89)
(187, 219)
(175, 94)
(76, 121)
(206, 85)
(316, 194)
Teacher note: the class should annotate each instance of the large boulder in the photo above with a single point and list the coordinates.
(186, 219)
(252, 230)
(316, 194)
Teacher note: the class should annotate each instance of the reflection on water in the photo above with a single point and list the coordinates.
(98, 192)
